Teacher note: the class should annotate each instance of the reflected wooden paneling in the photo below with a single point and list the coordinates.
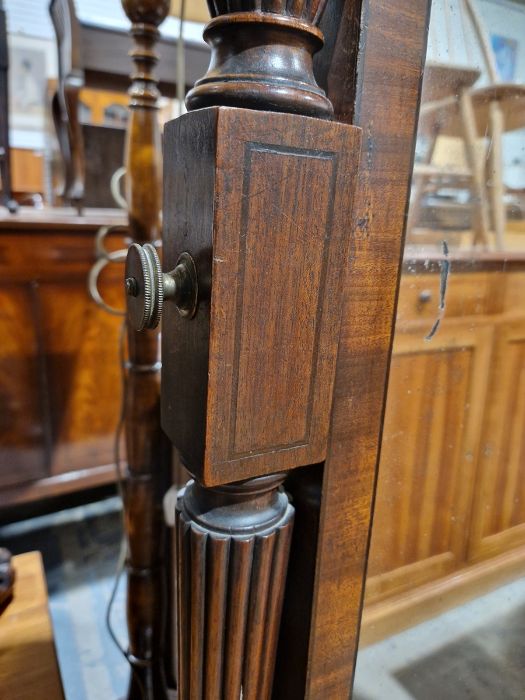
(23, 436)
(425, 477)
(59, 371)
(498, 518)
(449, 519)
(82, 371)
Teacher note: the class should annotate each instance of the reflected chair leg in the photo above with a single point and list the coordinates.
(419, 182)
(476, 165)
(62, 133)
(496, 126)
(76, 189)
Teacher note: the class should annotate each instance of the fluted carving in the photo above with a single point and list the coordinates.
(233, 545)
(262, 57)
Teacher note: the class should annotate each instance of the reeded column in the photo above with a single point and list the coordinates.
(148, 450)
(233, 546)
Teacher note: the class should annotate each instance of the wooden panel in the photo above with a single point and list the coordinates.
(411, 607)
(495, 530)
(59, 378)
(515, 292)
(28, 666)
(267, 407)
(23, 434)
(264, 419)
(498, 517)
(425, 480)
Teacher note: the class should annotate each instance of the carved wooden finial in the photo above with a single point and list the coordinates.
(262, 57)
(145, 16)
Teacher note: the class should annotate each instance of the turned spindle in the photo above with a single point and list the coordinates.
(148, 450)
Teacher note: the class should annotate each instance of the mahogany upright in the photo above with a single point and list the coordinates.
(258, 198)
(148, 450)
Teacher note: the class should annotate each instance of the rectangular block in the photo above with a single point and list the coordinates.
(262, 202)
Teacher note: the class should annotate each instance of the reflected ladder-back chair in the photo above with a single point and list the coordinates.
(281, 255)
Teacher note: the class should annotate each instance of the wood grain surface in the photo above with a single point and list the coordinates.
(59, 384)
(451, 480)
(259, 401)
(390, 60)
(28, 663)
(148, 452)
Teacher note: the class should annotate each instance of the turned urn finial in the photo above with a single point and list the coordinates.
(145, 17)
(262, 53)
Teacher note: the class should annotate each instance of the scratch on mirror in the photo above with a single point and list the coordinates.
(443, 282)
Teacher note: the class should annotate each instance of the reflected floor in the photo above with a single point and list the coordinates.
(475, 651)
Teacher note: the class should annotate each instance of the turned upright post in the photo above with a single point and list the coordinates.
(257, 184)
(148, 450)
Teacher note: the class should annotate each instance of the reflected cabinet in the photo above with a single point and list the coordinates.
(449, 518)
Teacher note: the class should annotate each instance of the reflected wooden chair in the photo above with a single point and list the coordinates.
(97, 57)
(469, 113)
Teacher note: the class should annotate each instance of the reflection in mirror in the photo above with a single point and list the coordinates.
(444, 613)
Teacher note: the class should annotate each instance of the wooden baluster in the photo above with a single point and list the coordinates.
(148, 450)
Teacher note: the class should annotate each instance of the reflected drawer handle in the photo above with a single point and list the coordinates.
(425, 295)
